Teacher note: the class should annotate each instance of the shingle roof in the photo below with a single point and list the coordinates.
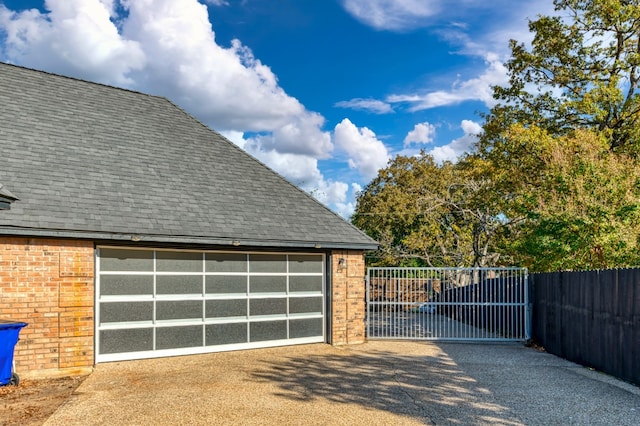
(94, 161)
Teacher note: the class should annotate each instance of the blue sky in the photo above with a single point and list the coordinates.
(323, 91)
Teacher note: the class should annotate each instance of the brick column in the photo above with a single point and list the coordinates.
(348, 294)
(49, 284)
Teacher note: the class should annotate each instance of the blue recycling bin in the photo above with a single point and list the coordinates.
(9, 331)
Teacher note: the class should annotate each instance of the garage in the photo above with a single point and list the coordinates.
(153, 303)
(133, 231)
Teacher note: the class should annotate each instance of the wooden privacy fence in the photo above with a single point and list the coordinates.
(591, 318)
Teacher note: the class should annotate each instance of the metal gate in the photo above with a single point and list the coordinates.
(457, 304)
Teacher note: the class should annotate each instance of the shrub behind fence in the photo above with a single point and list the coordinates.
(591, 318)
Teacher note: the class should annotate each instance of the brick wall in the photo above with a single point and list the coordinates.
(348, 297)
(49, 285)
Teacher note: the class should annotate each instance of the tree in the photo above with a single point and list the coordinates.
(424, 213)
(582, 71)
(580, 202)
(562, 145)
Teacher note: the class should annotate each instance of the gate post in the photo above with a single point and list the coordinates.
(367, 306)
(528, 306)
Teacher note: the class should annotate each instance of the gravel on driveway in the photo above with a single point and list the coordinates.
(380, 382)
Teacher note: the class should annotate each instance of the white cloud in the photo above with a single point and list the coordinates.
(371, 105)
(235, 136)
(332, 192)
(226, 87)
(366, 153)
(302, 135)
(168, 48)
(301, 170)
(475, 89)
(345, 209)
(421, 133)
(76, 37)
(391, 14)
(404, 15)
(458, 147)
(491, 36)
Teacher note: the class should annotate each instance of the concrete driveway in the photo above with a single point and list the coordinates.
(380, 382)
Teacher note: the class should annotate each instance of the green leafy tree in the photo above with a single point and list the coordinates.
(428, 214)
(581, 71)
(561, 147)
(580, 202)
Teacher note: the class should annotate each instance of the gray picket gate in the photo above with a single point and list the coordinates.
(450, 304)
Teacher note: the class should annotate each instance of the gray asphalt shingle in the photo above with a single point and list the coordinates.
(89, 159)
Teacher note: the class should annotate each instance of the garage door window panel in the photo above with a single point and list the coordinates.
(129, 340)
(226, 308)
(262, 307)
(178, 309)
(126, 285)
(305, 284)
(305, 264)
(126, 312)
(225, 284)
(273, 263)
(226, 262)
(268, 284)
(175, 261)
(126, 260)
(301, 305)
(178, 337)
(179, 284)
(299, 328)
(226, 334)
(268, 330)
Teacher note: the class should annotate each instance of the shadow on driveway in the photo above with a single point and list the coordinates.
(381, 382)
(430, 387)
(467, 384)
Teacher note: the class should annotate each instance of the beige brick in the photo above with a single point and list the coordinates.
(348, 292)
(35, 290)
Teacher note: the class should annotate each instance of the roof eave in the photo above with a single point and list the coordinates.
(184, 239)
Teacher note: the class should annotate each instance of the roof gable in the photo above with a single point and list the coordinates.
(93, 160)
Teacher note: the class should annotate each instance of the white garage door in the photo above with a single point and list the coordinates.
(152, 303)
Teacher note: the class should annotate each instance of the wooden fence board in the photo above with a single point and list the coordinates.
(592, 318)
